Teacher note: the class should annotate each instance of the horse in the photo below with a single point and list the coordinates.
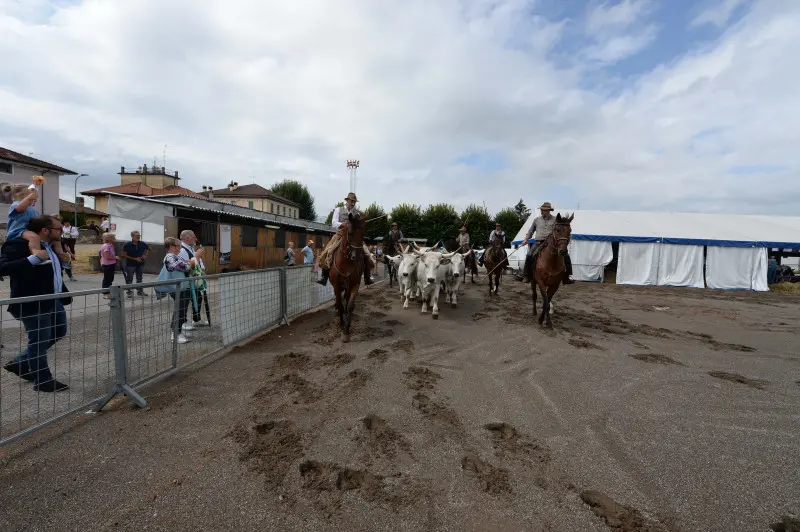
(347, 269)
(495, 261)
(549, 269)
(470, 265)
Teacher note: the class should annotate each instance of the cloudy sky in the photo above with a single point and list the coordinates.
(682, 105)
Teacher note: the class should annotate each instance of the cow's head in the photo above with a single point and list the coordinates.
(408, 263)
(456, 261)
(431, 262)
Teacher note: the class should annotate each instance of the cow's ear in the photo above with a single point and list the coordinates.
(445, 261)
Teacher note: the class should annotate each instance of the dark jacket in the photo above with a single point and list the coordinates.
(27, 279)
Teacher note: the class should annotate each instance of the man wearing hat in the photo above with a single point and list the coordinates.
(463, 240)
(542, 226)
(498, 233)
(393, 240)
(340, 216)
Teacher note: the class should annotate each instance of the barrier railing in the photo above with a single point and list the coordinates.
(109, 342)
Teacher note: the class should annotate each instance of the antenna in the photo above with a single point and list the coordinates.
(164, 163)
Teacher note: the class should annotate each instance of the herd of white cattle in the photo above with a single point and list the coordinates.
(423, 272)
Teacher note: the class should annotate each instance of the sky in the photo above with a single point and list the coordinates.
(657, 105)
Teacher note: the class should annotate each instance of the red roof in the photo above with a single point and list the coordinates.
(15, 157)
(140, 189)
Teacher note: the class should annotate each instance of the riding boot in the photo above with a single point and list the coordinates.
(526, 270)
(324, 279)
(567, 270)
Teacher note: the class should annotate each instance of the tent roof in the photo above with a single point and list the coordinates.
(727, 230)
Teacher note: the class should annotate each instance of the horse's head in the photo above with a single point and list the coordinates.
(562, 232)
(355, 230)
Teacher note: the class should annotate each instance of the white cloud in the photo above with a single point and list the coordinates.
(293, 89)
(719, 14)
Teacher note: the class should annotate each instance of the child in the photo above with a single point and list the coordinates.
(22, 212)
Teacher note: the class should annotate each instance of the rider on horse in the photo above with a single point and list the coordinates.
(497, 235)
(340, 216)
(543, 226)
(463, 240)
(393, 240)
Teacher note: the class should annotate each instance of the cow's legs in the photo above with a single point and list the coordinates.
(435, 305)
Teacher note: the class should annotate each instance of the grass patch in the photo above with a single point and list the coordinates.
(790, 288)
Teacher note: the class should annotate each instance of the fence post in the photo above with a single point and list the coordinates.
(175, 334)
(284, 287)
(118, 331)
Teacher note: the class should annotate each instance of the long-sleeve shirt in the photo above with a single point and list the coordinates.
(501, 235)
(542, 227)
(176, 263)
(340, 215)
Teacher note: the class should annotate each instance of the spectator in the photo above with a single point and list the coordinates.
(69, 237)
(288, 258)
(108, 261)
(94, 228)
(105, 225)
(187, 252)
(135, 254)
(174, 262)
(45, 322)
(308, 253)
(199, 270)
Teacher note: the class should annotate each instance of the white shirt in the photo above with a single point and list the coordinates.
(69, 232)
(106, 224)
(335, 223)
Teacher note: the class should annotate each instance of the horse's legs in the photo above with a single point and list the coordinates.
(545, 302)
(551, 291)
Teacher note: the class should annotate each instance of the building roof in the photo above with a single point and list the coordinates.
(724, 230)
(14, 157)
(140, 189)
(251, 191)
(64, 205)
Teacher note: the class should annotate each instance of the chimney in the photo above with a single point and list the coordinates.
(144, 166)
(79, 201)
(121, 169)
(233, 186)
(176, 174)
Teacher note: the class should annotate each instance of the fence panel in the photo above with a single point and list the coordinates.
(249, 302)
(74, 341)
(302, 291)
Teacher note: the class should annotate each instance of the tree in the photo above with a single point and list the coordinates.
(478, 222)
(522, 210)
(329, 219)
(439, 221)
(510, 221)
(297, 192)
(409, 219)
(376, 228)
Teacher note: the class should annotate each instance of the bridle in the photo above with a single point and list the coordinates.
(554, 251)
(352, 254)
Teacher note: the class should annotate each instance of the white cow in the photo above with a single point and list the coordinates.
(431, 272)
(407, 276)
(453, 276)
(396, 261)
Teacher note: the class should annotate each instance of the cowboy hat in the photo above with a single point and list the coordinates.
(463, 228)
(546, 206)
(351, 196)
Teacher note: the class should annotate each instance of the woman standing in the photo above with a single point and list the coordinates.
(108, 261)
(175, 263)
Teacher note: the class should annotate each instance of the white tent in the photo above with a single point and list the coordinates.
(724, 251)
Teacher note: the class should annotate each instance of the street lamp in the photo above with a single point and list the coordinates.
(75, 223)
(352, 165)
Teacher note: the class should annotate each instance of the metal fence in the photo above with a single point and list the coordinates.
(111, 342)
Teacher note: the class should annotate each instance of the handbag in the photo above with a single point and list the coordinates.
(166, 275)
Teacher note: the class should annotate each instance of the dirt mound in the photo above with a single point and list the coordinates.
(787, 524)
(494, 480)
(436, 411)
(418, 378)
(618, 517)
(392, 323)
(654, 358)
(402, 345)
(507, 441)
(479, 316)
(357, 378)
(293, 360)
(383, 439)
(338, 360)
(379, 354)
(371, 333)
(735, 377)
(291, 384)
(376, 314)
(268, 447)
(583, 344)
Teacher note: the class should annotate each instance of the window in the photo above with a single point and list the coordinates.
(280, 239)
(284, 210)
(250, 204)
(319, 242)
(249, 236)
(6, 168)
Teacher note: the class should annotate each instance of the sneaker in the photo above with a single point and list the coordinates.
(188, 326)
(181, 338)
(20, 370)
(50, 386)
(201, 323)
(142, 293)
(130, 295)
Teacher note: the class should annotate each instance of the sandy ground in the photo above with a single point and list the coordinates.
(646, 409)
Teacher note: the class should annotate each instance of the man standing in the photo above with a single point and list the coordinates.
(542, 227)
(135, 254)
(45, 321)
(188, 242)
(69, 237)
(340, 216)
(308, 253)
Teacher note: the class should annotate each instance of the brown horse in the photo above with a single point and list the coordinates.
(549, 269)
(495, 261)
(347, 268)
(470, 265)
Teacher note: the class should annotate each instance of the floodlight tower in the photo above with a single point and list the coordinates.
(352, 165)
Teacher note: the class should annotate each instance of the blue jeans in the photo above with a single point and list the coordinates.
(43, 330)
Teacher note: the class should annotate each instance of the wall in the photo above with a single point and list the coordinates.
(48, 200)
(101, 203)
(261, 204)
(151, 180)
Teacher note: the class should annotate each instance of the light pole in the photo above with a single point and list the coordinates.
(75, 223)
(352, 165)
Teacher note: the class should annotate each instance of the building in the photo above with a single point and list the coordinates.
(235, 237)
(254, 197)
(144, 181)
(721, 251)
(17, 168)
(67, 210)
